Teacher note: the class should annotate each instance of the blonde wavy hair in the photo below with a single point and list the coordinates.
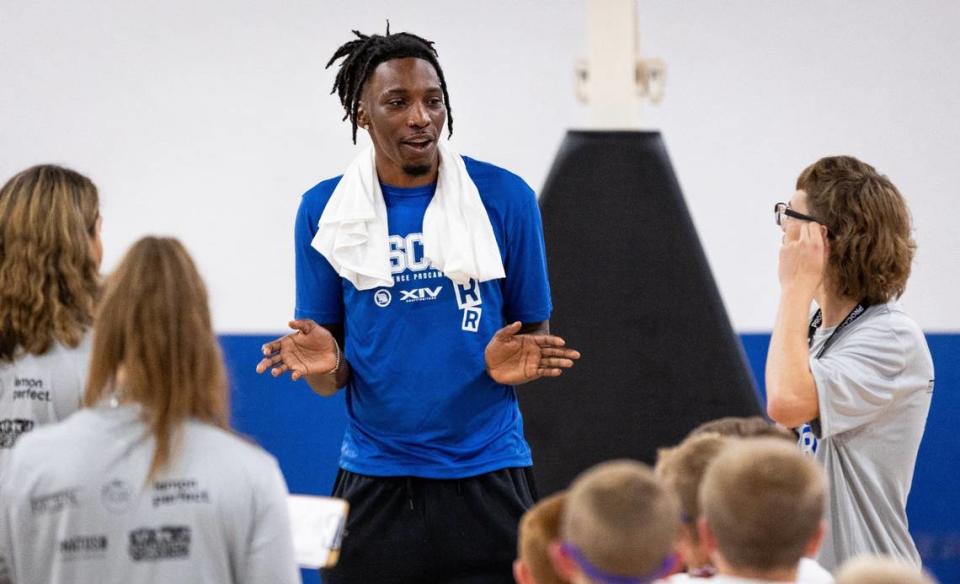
(48, 272)
(154, 344)
(871, 245)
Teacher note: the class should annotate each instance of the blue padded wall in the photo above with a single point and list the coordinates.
(303, 431)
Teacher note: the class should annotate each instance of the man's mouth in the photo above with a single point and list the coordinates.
(419, 144)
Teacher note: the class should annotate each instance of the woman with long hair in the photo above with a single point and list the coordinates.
(147, 483)
(49, 258)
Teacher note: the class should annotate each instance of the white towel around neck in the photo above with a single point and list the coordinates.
(457, 236)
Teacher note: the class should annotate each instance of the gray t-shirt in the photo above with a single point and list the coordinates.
(874, 386)
(74, 507)
(40, 389)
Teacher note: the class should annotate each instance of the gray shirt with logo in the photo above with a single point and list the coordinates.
(74, 507)
(874, 386)
(40, 389)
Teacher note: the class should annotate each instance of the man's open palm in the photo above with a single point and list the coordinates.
(513, 358)
(309, 350)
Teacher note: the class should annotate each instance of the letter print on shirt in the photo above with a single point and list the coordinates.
(469, 301)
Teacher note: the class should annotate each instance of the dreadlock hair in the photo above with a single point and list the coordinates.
(361, 57)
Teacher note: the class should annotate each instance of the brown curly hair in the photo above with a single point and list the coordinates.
(871, 246)
(48, 272)
(154, 344)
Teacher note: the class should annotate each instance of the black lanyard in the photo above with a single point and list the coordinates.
(817, 320)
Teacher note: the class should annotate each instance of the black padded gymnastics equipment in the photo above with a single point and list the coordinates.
(633, 292)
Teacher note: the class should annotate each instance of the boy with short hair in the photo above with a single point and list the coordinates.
(681, 470)
(763, 503)
(619, 526)
(539, 527)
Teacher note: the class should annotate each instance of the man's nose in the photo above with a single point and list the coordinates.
(419, 118)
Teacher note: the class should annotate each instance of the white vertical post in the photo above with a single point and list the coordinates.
(611, 76)
(614, 80)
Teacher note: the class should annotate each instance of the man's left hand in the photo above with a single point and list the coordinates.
(513, 358)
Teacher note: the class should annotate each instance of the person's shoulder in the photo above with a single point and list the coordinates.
(229, 446)
(320, 193)
(898, 320)
(54, 436)
(58, 353)
(888, 323)
(811, 572)
(48, 441)
(496, 183)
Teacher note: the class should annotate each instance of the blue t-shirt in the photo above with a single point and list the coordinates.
(419, 401)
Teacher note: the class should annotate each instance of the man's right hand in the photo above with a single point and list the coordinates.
(309, 350)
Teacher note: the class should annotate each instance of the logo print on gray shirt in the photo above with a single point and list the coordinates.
(83, 547)
(54, 502)
(11, 429)
(116, 496)
(149, 544)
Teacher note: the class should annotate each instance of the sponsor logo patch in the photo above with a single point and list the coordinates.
(116, 496)
(382, 297)
(178, 491)
(11, 429)
(151, 544)
(27, 383)
(420, 294)
(54, 502)
(83, 547)
(29, 394)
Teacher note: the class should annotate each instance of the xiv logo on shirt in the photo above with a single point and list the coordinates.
(168, 542)
(420, 294)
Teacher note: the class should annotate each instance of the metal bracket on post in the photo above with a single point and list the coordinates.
(615, 80)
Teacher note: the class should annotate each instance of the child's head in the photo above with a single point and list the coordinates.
(681, 470)
(748, 427)
(620, 523)
(880, 570)
(763, 504)
(539, 527)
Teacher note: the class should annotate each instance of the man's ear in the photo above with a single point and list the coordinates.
(363, 120)
(563, 564)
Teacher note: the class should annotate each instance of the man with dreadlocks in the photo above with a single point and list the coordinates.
(413, 261)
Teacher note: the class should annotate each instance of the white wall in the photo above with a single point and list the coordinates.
(207, 120)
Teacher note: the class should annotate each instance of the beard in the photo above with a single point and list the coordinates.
(417, 169)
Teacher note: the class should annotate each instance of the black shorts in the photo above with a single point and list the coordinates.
(411, 530)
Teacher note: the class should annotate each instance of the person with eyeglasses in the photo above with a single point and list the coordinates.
(856, 379)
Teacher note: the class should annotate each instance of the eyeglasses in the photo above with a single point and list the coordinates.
(781, 210)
